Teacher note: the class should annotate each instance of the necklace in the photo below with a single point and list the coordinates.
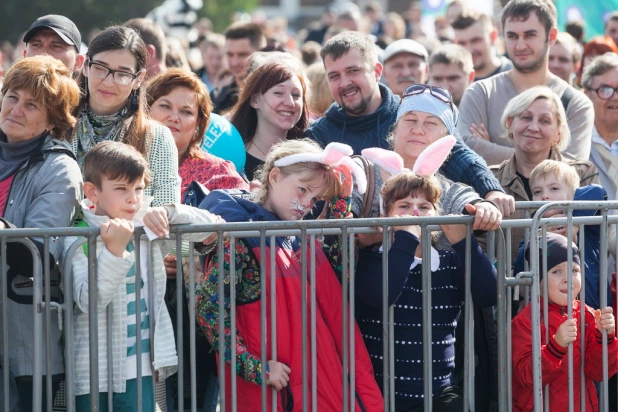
(258, 147)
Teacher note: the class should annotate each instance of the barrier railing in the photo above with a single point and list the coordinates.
(499, 246)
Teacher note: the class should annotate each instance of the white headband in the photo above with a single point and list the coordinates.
(334, 154)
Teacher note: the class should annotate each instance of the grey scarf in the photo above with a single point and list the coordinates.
(15, 155)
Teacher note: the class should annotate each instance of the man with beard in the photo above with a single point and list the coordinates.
(405, 63)
(365, 110)
(529, 30)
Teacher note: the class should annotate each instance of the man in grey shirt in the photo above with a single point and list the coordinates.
(529, 30)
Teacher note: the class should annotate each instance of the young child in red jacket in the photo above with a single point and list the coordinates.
(562, 332)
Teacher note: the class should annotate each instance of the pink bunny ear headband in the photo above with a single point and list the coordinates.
(334, 154)
(428, 163)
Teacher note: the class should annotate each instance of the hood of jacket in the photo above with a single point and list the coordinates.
(235, 209)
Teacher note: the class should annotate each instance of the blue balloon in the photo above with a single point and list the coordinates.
(223, 140)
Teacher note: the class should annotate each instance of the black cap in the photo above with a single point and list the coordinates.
(557, 251)
(65, 28)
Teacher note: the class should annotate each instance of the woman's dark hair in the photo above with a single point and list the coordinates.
(122, 38)
(244, 116)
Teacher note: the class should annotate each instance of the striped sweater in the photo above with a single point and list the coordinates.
(112, 291)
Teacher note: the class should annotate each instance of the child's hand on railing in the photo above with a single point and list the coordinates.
(156, 219)
(605, 320)
(278, 375)
(116, 234)
(566, 333)
(486, 216)
(413, 229)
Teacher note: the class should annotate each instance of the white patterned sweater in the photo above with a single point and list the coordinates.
(111, 288)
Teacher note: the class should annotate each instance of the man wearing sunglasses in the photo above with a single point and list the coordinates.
(56, 36)
(529, 30)
(365, 110)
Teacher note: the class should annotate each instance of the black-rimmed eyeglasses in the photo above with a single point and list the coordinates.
(438, 92)
(99, 71)
(605, 92)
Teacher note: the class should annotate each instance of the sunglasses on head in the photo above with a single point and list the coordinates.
(438, 92)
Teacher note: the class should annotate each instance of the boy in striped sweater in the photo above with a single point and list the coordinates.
(115, 177)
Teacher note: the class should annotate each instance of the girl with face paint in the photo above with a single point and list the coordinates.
(296, 174)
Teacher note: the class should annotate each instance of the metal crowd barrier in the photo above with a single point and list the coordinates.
(499, 245)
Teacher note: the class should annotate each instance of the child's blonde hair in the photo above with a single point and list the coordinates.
(316, 170)
(409, 184)
(561, 170)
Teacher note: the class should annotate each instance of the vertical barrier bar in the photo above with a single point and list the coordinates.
(427, 355)
(527, 265)
(570, 305)
(582, 320)
(352, 328)
(314, 361)
(67, 278)
(192, 332)
(138, 323)
(93, 329)
(344, 305)
(545, 305)
(385, 321)
(151, 318)
(179, 324)
(233, 322)
(48, 325)
(263, 318)
(604, 401)
(469, 320)
(509, 316)
(391, 333)
(303, 289)
(222, 337)
(273, 314)
(110, 360)
(536, 326)
(501, 323)
(5, 323)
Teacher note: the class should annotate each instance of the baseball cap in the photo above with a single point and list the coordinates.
(64, 27)
(405, 46)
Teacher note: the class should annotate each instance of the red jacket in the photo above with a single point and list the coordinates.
(554, 360)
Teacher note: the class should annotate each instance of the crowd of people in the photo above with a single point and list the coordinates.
(357, 116)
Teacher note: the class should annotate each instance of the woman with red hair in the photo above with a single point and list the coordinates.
(597, 46)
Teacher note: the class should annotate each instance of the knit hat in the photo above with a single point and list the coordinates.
(425, 102)
(557, 252)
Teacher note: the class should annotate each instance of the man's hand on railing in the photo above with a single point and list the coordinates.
(2, 225)
(504, 202)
